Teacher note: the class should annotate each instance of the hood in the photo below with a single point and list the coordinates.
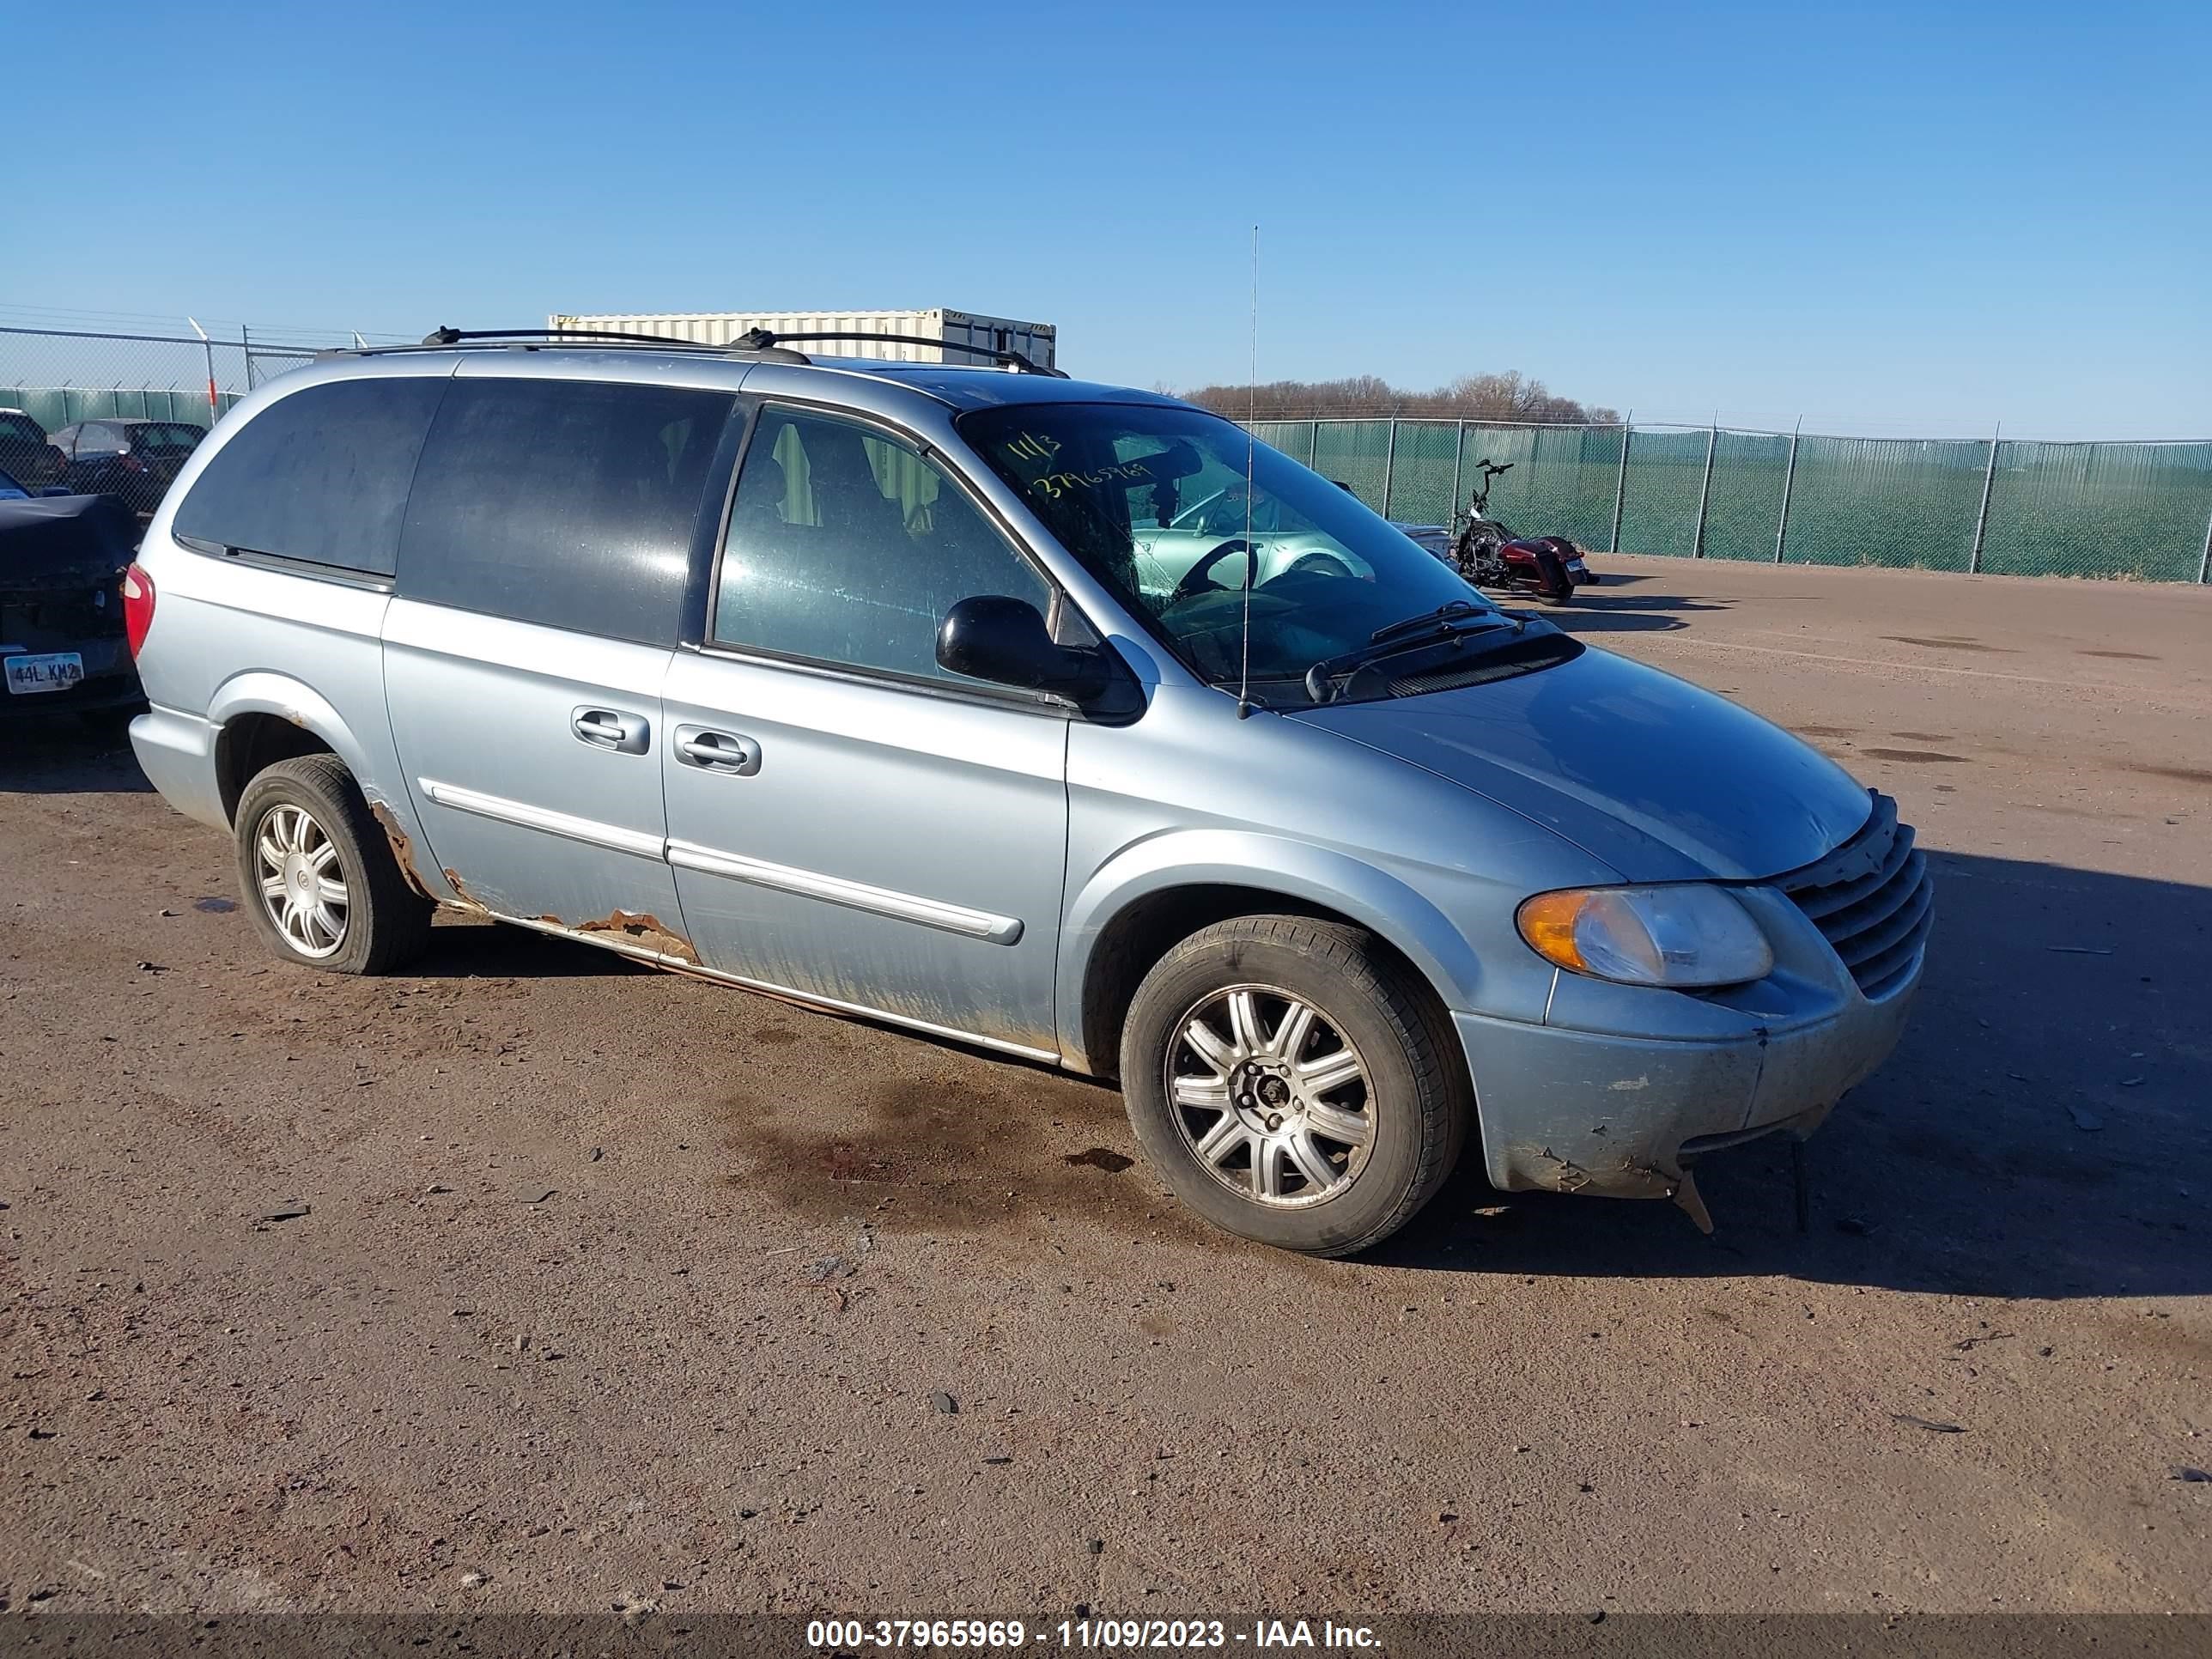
(63, 541)
(1660, 778)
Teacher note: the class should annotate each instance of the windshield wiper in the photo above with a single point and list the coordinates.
(1448, 621)
(1441, 620)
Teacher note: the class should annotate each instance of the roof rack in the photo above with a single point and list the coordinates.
(761, 339)
(757, 342)
(448, 337)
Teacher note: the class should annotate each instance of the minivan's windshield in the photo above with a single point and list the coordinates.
(1154, 500)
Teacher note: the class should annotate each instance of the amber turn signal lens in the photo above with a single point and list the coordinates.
(1548, 922)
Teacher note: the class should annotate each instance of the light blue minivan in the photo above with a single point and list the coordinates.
(900, 689)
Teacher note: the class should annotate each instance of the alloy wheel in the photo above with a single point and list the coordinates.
(1273, 1099)
(303, 884)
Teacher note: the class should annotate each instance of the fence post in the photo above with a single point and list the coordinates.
(2204, 560)
(1788, 478)
(1459, 460)
(1313, 443)
(1621, 483)
(1982, 518)
(1705, 490)
(246, 349)
(1390, 465)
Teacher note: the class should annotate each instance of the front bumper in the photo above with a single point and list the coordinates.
(1590, 1111)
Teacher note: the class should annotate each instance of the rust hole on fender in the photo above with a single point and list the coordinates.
(403, 850)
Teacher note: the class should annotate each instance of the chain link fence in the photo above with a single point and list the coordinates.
(2139, 511)
(61, 377)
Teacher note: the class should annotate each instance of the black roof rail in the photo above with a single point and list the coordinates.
(761, 339)
(447, 337)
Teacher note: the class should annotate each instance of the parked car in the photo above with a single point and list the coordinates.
(136, 460)
(62, 641)
(848, 681)
(25, 450)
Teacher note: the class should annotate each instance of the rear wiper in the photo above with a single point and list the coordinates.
(1447, 621)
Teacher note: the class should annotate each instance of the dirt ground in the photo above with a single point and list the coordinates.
(597, 1283)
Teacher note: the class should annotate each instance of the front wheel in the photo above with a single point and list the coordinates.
(1294, 1083)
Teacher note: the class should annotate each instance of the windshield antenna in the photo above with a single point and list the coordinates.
(1251, 552)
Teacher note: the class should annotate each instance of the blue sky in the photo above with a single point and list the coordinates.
(1920, 218)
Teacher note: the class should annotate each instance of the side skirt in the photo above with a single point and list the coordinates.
(627, 947)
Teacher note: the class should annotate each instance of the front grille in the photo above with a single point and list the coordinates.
(1873, 899)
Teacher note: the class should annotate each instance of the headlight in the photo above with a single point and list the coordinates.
(1689, 935)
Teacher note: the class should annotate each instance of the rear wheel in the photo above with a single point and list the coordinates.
(318, 879)
(1294, 1083)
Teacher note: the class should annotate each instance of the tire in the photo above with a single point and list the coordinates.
(1334, 1193)
(381, 922)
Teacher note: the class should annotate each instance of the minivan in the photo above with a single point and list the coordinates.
(904, 690)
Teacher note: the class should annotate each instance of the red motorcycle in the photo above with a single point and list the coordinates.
(1488, 553)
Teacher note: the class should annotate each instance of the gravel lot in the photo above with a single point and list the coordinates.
(326, 1293)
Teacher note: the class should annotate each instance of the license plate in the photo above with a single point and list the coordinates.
(56, 671)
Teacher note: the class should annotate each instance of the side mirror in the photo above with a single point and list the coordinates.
(1004, 640)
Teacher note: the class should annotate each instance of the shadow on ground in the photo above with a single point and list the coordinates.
(464, 948)
(1605, 609)
(2045, 1130)
(70, 755)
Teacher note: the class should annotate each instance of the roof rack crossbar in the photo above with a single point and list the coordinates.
(761, 339)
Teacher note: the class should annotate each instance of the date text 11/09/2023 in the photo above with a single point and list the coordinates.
(858, 1635)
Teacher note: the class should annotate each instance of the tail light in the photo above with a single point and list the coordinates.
(137, 607)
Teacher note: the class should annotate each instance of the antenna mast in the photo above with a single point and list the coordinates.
(1251, 552)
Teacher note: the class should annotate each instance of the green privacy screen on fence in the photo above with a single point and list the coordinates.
(54, 407)
(2141, 511)
(2099, 509)
(1898, 501)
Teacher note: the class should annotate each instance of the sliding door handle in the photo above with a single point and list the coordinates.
(717, 752)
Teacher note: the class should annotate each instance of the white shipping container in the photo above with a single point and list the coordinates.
(1034, 341)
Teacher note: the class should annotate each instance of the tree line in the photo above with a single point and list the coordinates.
(1511, 396)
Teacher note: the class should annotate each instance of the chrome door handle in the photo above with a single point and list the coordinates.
(610, 728)
(717, 752)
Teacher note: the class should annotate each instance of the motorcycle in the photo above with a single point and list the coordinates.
(1486, 553)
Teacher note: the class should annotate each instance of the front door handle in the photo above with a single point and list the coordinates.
(610, 728)
(717, 752)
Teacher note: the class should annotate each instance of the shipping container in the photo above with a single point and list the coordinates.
(1034, 341)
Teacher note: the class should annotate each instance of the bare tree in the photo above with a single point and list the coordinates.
(1511, 396)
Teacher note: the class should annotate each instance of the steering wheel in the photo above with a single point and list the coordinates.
(1195, 580)
(1321, 564)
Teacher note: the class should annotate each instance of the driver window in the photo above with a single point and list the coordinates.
(847, 545)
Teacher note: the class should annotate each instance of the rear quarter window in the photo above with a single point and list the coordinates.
(572, 504)
(321, 476)
(166, 434)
